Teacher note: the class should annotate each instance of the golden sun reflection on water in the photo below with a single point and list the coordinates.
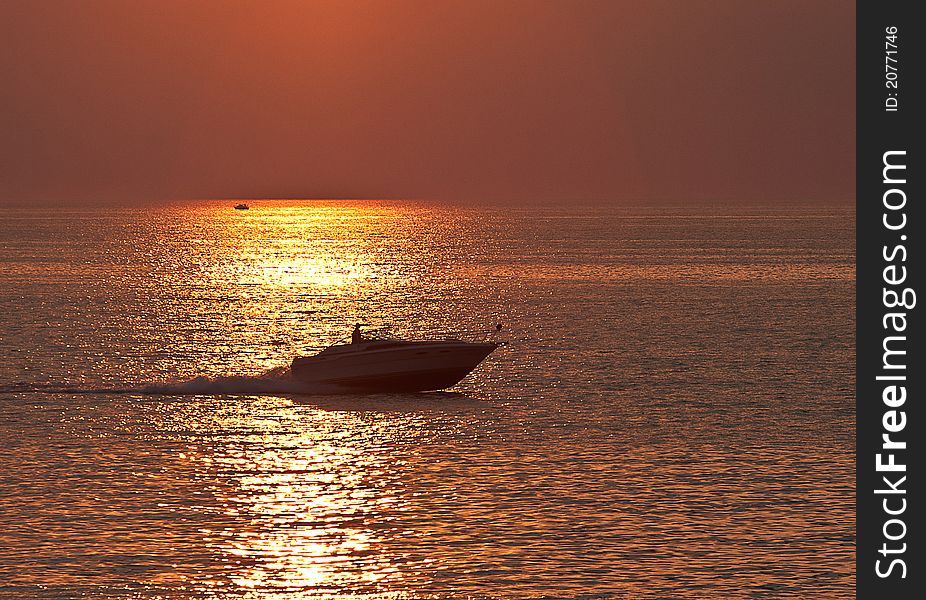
(305, 494)
(313, 245)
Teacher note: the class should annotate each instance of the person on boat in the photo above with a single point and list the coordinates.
(356, 337)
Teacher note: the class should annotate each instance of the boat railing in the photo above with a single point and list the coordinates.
(386, 333)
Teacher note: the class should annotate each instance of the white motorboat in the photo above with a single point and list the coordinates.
(393, 365)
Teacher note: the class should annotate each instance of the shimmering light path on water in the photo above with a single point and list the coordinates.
(654, 429)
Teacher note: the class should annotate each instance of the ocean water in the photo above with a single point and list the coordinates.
(673, 416)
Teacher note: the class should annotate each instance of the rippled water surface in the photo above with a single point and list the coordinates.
(672, 418)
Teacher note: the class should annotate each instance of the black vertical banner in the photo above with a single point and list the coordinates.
(890, 371)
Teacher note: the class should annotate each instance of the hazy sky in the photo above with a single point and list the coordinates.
(465, 101)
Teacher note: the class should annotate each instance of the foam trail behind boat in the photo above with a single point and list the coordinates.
(275, 381)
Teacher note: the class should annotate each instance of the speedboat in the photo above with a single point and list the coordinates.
(393, 365)
(241, 207)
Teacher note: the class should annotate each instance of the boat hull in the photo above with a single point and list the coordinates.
(393, 367)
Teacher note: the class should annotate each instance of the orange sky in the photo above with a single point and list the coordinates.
(468, 101)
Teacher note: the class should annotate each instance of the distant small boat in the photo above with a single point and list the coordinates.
(241, 207)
